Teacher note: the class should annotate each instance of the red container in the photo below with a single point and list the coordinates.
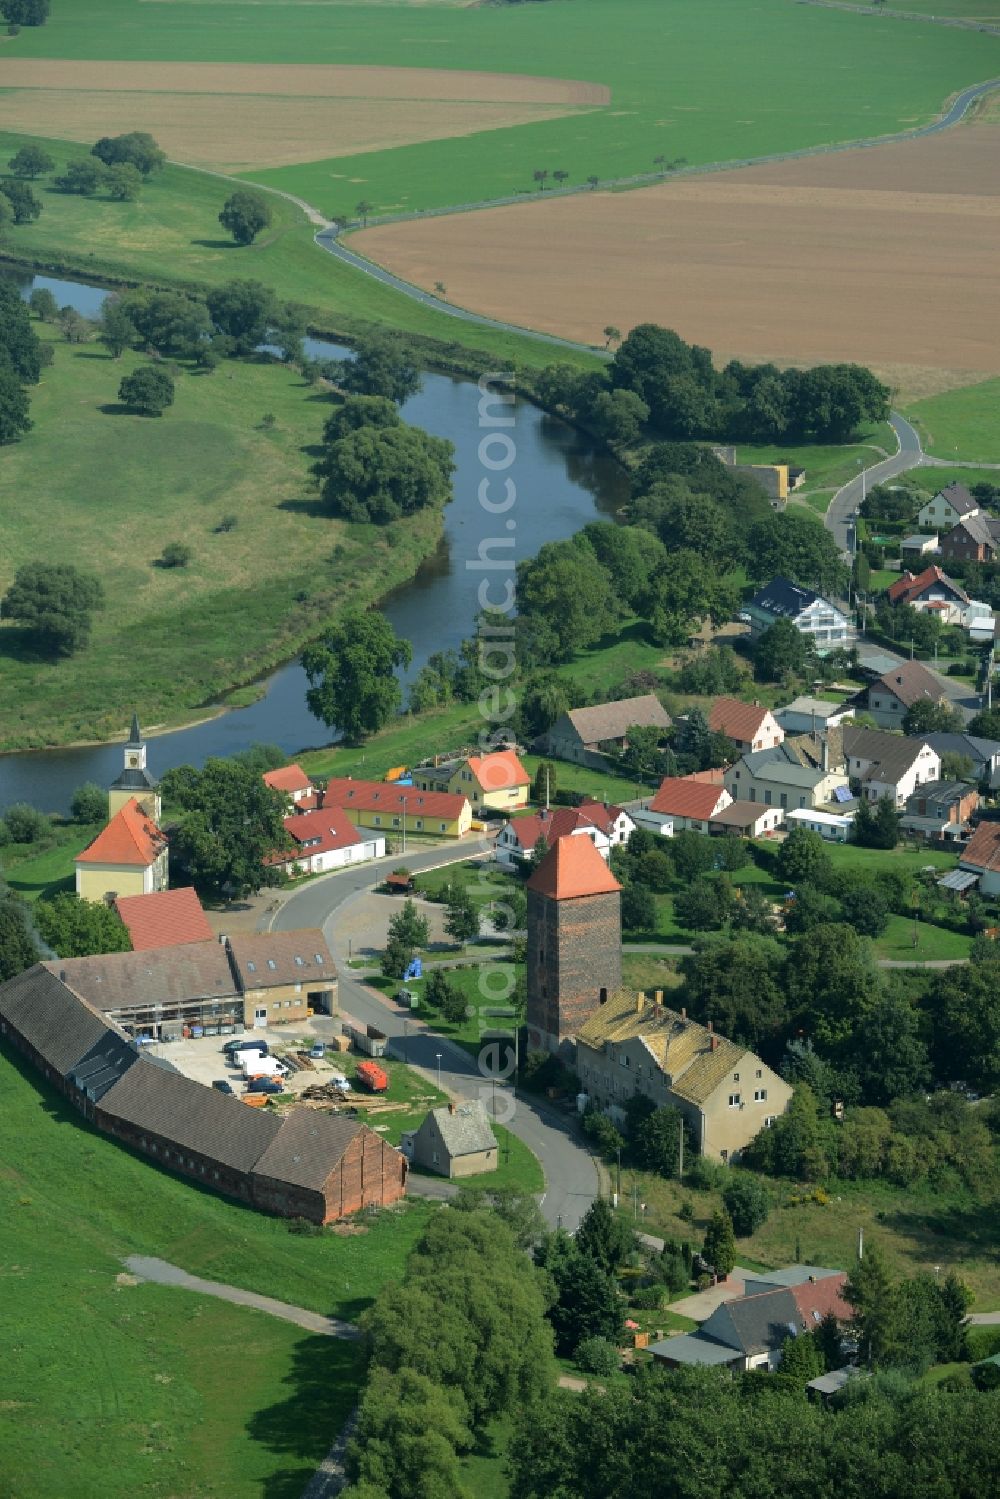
(373, 1077)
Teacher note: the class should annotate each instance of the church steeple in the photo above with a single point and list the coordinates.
(135, 780)
(135, 733)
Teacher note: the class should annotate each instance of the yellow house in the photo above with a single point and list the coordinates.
(284, 977)
(495, 783)
(128, 857)
(135, 780)
(399, 808)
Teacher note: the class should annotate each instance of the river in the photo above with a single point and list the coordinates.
(562, 483)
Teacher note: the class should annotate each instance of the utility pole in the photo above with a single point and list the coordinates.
(547, 785)
(619, 1192)
(403, 799)
(680, 1150)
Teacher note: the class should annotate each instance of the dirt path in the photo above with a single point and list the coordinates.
(164, 1274)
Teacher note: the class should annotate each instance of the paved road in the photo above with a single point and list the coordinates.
(909, 454)
(165, 1274)
(570, 1173)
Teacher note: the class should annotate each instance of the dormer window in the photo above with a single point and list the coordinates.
(271, 964)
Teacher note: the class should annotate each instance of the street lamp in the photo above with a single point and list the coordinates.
(438, 1055)
(406, 1042)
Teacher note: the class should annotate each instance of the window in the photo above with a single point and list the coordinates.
(319, 958)
(767, 796)
(758, 1073)
(760, 1095)
(251, 968)
(299, 962)
(272, 965)
(623, 1060)
(444, 827)
(768, 1121)
(378, 822)
(734, 1100)
(395, 822)
(736, 1077)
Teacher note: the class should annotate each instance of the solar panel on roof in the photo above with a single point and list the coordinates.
(843, 794)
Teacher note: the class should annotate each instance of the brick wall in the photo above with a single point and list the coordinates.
(574, 952)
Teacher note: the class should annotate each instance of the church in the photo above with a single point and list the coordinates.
(129, 855)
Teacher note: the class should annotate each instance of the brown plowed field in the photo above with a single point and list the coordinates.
(887, 255)
(234, 117)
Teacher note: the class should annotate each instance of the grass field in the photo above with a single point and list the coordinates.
(34, 870)
(109, 489)
(961, 423)
(146, 1390)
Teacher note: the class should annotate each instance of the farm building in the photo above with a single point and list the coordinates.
(306, 1165)
(165, 918)
(454, 1140)
(398, 808)
(582, 733)
(283, 975)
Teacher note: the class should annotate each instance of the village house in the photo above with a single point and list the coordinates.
(835, 827)
(128, 857)
(583, 734)
(749, 1331)
(283, 976)
(974, 539)
(632, 1045)
(899, 688)
(493, 783)
(305, 1165)
(940, 810)
(292, 782)
(932, 592)
(827, 626)
(918, 547)
(685, 802)
(786, 779)
(165, 918)
(776, 479)
(519, 837)
(979, 859)
(983, 755)
(455, 1140)
(747, 820)
(805, 715)
(889, 764)
(748, 725)
(394, 808)
(950, 505)
(325, 839)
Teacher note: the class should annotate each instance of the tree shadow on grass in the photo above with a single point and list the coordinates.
(217, 244)
(115, 408)
(304, 506)
(972, 1228)
(323, 1386)
(17, 645)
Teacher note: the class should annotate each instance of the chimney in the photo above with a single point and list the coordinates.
(684, 1013)
(826, 753)
(640, 1002)
(709, 1026)
(715, 1041)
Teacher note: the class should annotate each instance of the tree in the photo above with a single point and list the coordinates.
(748, 1203)
(83, 176)
(244, 214)
(53, 602)
(31, 161)
(170, 322)
(684, 590)
(25, 12)
(462, 918)
(117, 330)
(352, 685)
(782, 652)
(801, 1358)
(873, 1295)
(878, 827)
(409, 927)
(136, 149)
(43, 304)
(409, 1432)
(628, 555)
(23, 823)
(612, 335)
(616, 416)
(809, 909)
(355, 412)
(638, 909)
(985, 725)
(830, 1342)
(597, 1356)
(719, 1249)
(14, 408)
(803, 856)
(866, 908)
(565, 596)
(176, 554)
(89, 803)
(440, 993)
(20, 348)
(6, 213)
(925, 717)
(604, 1236)
(78, 928)
(243, 311)
(560, 177)
(382, 366)
(147, 390)
(540, 176)
(704, 906)
(793, 546)
(831, 981)
(75, 328)
(18, 949)
(234, 823)
(586, 1303)
(363, 209)
(887, 1051)
(964, 1009)
(654, 1141)
(379, 474)
(735, 983)
(24, 205)
(123, 182)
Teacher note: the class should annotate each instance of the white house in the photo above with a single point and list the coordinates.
(519, 837)
(291, 781)
(889, 764)
(810, 613)
(779, 780)
(748, 725)
(747, 820)
(829, 825)
(327, 839)
(686, 802)
(899, 688)
(981, 856)
(947, 508)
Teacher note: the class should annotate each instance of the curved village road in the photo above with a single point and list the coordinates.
(571, 1182)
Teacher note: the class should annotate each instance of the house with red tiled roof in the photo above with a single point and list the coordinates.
(748, 725)
(497, 782)
(684, 802)
(519, 838)
(164, 918)
(931, 591)
(391, 808)
(128, 857)
(291, 781)
(981, 856)
(325, 839)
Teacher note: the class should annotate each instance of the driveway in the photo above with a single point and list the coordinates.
(162, 1273)
(703, 1303)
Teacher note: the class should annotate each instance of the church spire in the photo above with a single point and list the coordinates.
(135, 733)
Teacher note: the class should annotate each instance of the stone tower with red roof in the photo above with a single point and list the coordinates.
(574, 941)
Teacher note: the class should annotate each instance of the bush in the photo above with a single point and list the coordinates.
(748, 1202)
(89, 804)
(650, 1298)
(705, 1175)
(176, 554)
(597, 1356)
(25, 824)
(601, 1131)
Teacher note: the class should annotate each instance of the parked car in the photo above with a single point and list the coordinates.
(231, 1047)
(318, 1050)
(264, 1085)
(221, 1086)
(339, 1081)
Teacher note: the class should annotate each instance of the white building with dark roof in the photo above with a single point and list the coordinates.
(811, 613)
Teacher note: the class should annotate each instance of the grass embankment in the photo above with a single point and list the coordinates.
(43, 869)
(960, 424)
(109, 489)
(135, 1389)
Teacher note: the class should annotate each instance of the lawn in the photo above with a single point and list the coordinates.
(918, 1228)
(826, 465)
(134, 1389)
(110, 489)
(933, 943)
(960, 424)
(32, 870)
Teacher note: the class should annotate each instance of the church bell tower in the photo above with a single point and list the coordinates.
(135, 780)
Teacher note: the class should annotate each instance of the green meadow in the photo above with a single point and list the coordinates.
(961, 424)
